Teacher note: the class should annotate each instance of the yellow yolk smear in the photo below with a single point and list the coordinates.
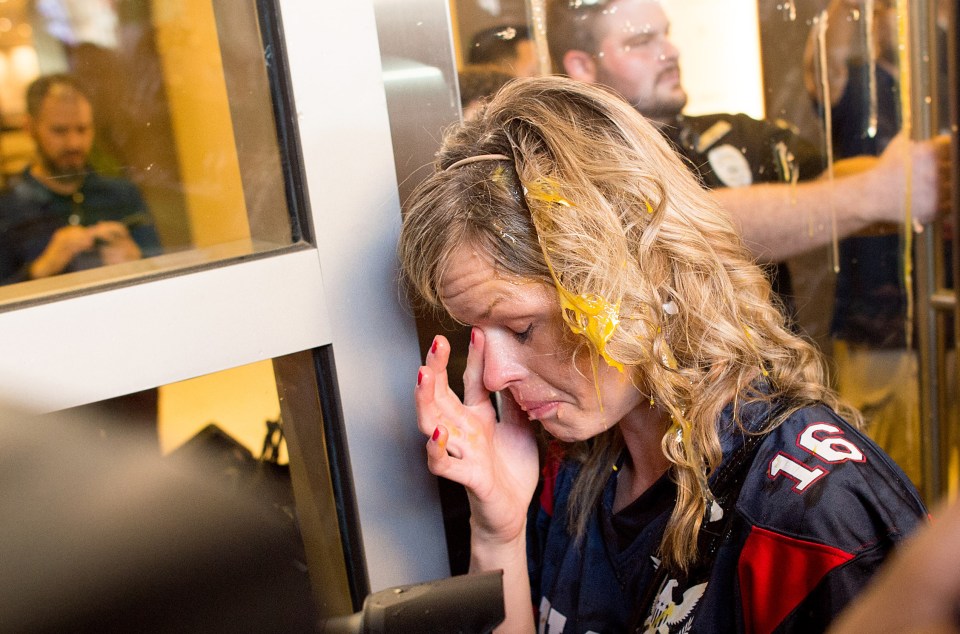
(587, 314)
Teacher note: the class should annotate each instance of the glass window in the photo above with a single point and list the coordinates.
(149, 142)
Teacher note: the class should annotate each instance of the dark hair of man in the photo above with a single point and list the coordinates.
(41, 87)
(570, 27)
(497, 43)
(478, 81)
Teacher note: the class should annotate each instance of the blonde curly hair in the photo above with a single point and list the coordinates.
(588, 198)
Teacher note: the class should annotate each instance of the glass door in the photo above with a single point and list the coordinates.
(315, 291)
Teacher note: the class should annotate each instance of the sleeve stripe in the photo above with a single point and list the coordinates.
(777, 572)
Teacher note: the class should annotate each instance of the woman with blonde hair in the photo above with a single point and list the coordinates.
(697, 474)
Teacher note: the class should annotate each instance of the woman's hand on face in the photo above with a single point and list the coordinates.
(496, 462)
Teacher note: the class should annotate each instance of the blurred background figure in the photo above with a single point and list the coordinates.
(508, 47)
(851, 65)
(477, 82)
(59, 215)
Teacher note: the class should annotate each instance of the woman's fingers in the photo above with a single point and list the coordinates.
(474, 392)
(437, 455)
(433, 414)
(458, 434)
(442, 458)
(424, 398)
(433, 391)
(438, 356)
(458, 431)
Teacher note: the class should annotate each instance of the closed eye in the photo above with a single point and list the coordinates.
(522, 337)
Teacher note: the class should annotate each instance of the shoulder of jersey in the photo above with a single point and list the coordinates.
(817, 476)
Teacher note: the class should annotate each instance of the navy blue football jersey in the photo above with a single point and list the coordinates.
(819, 508)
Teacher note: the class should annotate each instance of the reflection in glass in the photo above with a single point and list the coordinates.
(240, 401)
(59, 215)
(508, 47)
(179, 98)
(868, 90)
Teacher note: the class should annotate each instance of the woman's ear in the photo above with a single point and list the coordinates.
(580, 65)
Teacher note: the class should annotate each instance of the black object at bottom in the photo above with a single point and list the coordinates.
(470, 604)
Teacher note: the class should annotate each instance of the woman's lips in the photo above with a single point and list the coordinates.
(540, 410)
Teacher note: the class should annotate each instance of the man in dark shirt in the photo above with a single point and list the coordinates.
(753, 165)
(59, 215)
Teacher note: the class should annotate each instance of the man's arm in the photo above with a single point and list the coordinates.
(779, 220)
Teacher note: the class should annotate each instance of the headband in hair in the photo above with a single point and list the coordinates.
(479, 157)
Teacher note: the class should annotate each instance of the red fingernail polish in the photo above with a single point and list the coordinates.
(436, 434)
(419, 377)
(471, 336)
(433, 348)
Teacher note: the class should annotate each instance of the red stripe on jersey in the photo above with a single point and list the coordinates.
(777, 572)
(551, 467)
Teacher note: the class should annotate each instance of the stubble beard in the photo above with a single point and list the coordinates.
(64, 174)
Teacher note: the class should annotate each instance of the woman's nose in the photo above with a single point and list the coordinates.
(502, 364)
